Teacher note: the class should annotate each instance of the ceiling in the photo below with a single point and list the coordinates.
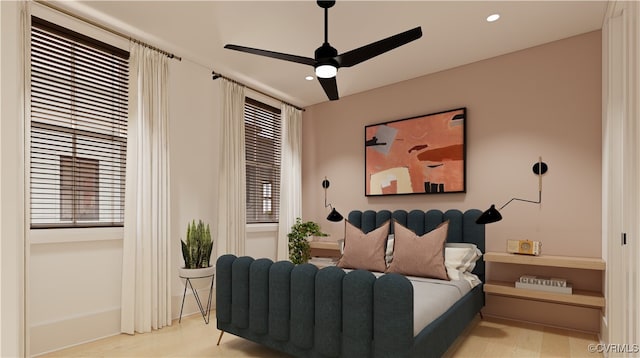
(454, 33)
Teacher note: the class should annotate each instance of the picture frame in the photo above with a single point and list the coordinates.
(418, 155)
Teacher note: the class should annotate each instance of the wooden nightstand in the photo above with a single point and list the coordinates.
(577, 298)
(324, 253)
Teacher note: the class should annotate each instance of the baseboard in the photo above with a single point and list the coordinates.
(46, 337)
(51, 336)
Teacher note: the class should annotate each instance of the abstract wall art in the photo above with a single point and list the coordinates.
(418, 155)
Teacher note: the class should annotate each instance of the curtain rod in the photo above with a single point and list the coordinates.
(100, 26)
(215, 76)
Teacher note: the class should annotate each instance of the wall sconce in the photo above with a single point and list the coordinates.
(334, 215)
(492, 214)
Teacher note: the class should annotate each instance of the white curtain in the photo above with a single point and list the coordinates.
(231, 191)
(290, 177)
(146, 266)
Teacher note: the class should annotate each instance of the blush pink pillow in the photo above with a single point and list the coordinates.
(364, 251)
(421, 256)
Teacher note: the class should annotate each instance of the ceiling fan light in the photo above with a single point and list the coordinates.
(326, 71)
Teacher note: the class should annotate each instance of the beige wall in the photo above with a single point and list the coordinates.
(543, 101)
(194, 123)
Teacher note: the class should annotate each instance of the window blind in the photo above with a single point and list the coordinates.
(262, 154)
(79, 104)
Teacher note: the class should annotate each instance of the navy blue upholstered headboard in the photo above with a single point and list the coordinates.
(462, 226)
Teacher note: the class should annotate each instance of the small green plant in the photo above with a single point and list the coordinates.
(196, 252)
(299, 249)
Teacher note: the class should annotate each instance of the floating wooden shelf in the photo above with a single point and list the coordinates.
(584, 263)
(325, 249)
(324, 245)
(577, 298)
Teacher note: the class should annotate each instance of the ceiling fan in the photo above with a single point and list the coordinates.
(327, 60)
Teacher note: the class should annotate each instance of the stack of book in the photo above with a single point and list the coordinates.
(549, 284)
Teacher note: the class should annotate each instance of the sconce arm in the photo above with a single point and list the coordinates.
(525, 200)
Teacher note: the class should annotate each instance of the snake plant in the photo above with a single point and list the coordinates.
(196, 251)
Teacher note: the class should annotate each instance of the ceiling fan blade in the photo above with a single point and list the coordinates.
(277, 55)
(374, 49)
(330, 87)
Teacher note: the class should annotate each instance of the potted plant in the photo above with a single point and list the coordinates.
(299, 249)
(196, 251)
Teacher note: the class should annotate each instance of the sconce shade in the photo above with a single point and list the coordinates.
(491, 215)
(334, 215)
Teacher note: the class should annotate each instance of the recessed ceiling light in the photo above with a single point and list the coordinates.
(493, 17)
(309, 78)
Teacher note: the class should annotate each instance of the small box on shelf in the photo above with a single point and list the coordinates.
(524, 247)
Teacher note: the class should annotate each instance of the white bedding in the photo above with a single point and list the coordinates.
(432, 298)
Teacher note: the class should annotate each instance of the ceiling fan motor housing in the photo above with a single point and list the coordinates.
(325, 55)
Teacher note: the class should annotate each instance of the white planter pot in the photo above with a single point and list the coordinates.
(196, 273)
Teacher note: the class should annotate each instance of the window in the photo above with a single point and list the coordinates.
(262, 151)
(81, 191)
(79, 104)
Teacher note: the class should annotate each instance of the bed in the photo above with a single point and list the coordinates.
(333, 312)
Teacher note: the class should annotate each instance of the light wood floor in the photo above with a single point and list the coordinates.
(489, 337)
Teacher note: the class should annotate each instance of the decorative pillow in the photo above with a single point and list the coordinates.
(364, 251)
(421, 256)
(388, 253)
(460, 259)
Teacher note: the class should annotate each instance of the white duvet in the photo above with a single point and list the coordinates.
(433, 297)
